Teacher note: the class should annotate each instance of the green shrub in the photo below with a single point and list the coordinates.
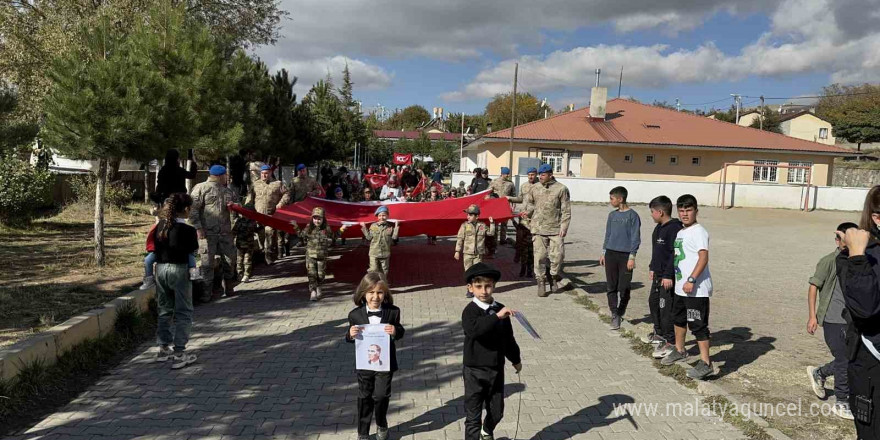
(116, 194)
(23, 189)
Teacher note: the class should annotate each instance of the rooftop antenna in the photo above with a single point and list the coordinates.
(620, 82)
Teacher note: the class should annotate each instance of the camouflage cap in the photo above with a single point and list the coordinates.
(473, 209)
(318, 212)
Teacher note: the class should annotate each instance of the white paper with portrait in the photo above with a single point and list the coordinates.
(372, 348)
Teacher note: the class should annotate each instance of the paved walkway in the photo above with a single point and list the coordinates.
(274, 365)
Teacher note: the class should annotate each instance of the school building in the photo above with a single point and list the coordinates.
(623, 139)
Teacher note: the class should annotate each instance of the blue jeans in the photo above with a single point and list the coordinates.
(150, 259)
(174, 298)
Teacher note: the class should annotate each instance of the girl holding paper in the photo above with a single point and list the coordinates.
(374, 306)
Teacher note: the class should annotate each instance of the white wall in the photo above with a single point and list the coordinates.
(739, 194)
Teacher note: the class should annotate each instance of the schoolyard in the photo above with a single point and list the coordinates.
(760, 260)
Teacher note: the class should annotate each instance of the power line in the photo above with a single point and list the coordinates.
(820, 96)
(705, 103)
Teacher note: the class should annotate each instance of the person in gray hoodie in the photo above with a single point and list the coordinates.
(622, 240)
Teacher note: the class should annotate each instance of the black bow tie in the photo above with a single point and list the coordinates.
(379, 313)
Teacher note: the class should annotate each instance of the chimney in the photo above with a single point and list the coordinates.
(598, 101)
(440, 113)
(488, 127)
(435, 112)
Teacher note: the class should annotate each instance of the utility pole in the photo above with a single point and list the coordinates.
(762, 112)
(737, 99)
(620, 82)
(677, 104)
(461, 147)
(512, 119)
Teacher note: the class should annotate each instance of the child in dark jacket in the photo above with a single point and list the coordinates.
(488, 341)
(662, 276)
(374, 306)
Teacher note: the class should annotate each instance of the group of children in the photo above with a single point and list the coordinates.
(489, 341)
(681, 284)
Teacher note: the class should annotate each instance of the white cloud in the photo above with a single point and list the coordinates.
(806, 36)
(365, 76)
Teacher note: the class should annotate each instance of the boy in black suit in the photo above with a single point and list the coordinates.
(374, 306)
(488, 341)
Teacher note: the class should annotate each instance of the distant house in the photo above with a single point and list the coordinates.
(629, 140)
(434, 129)
(802, 124)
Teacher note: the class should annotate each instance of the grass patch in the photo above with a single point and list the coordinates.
(748, 427)
(41, 389)
(49, 272)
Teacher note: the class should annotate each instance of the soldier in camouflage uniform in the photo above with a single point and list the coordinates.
(548, 207)
(381, 236)
(269, 196)
(318, 238)
(302, 185)
(470, 245)
(245, 231)
(524, 247)
(211, 218)
(500, 187)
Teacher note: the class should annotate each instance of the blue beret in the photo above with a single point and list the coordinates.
(265, 168)
(217, 170)
(300, 167)
(545, 168)
(382, 209)
(531, 170)
(505, 170)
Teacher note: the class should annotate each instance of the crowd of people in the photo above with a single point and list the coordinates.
(843, 294)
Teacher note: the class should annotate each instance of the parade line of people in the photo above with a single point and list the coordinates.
(843, 294)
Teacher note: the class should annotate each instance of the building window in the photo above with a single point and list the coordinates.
(673, 160)
(628, 158)
(695, 161)
(649, 159)
(552, 158)
(798, 175)
(823, 133)
(765, 171)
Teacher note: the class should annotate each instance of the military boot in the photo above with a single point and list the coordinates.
(541, 292)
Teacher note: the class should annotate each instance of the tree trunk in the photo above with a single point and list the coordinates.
(859, 147)
(99, 212)
(113, 169)
(147, 182)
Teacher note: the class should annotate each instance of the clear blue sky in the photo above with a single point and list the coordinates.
(456, 54)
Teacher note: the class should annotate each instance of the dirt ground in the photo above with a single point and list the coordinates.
(49, 273)
(761, 260)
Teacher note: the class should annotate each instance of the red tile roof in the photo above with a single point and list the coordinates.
(629, 122)
(415, 134)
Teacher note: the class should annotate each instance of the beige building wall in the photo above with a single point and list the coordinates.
(808, 127)
(746, 120)
(669, 164)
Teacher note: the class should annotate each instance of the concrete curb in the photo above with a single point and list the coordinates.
(49, 345)
(703, 387)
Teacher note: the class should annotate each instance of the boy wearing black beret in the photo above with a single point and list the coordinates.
(488, 341)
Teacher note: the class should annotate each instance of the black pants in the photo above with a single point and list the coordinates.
(835, 339)
(864, 380)
(660, 305)
(619, 279)
(374, 393)
(482, 386)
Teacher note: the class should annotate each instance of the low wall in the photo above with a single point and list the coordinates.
(49, 345)
(855, 177)
(743, 195)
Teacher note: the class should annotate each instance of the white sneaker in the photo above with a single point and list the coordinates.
(182, 359)
(245, 279)
(841, 409)
(318, 292)
(164, 354)
(148, 283)
(195, 274)
(314, 296)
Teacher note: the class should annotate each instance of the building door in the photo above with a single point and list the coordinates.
(574, 164)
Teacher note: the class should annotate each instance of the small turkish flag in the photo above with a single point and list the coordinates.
(402, 159)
